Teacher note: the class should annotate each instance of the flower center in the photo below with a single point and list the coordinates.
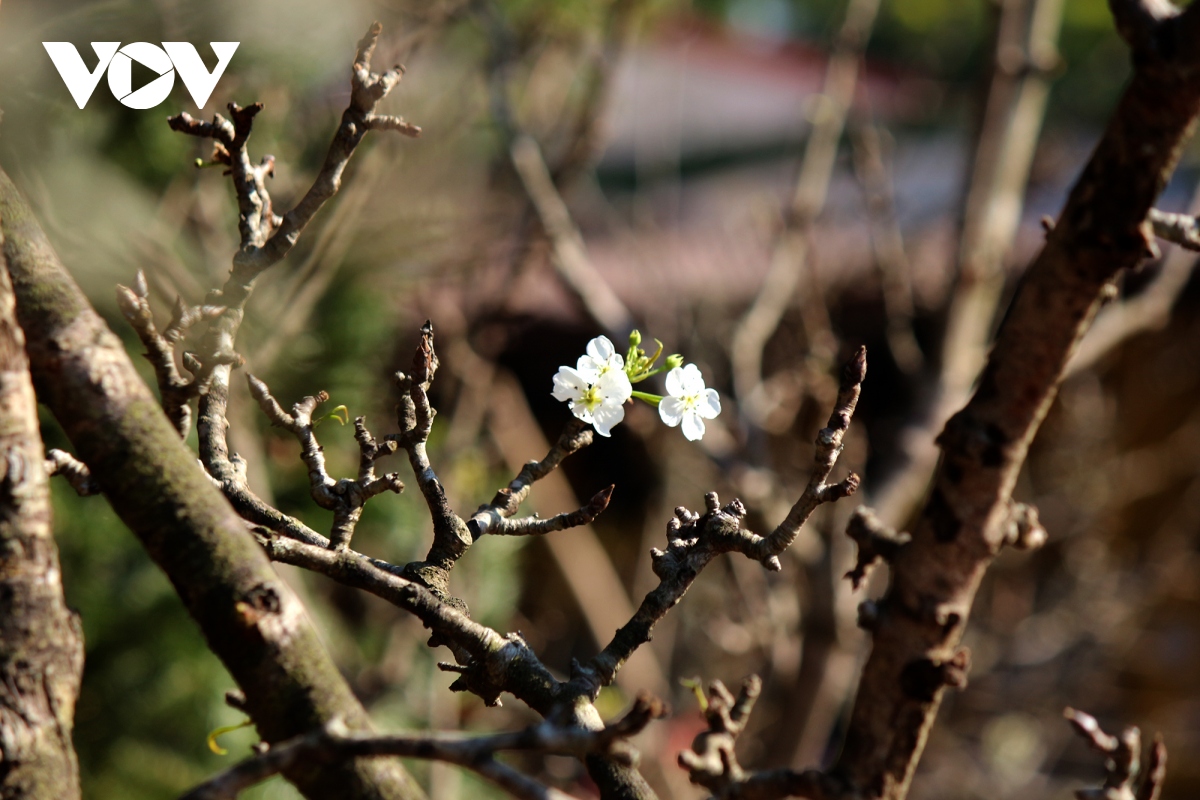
(591, 398)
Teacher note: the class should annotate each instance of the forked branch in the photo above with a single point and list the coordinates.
(1125, 777)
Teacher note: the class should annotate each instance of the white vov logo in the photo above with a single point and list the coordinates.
(165, 60)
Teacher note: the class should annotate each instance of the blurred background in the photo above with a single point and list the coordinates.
(763, 185)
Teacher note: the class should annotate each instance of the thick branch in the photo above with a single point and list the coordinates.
(493, 663)
(1101, 231)
(251, 620)
(41, 641)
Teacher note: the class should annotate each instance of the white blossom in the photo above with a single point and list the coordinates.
(690, 402)
(601, 359)
(597, 388)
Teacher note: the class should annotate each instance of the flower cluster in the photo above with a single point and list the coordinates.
(597, 389)
(601, 382)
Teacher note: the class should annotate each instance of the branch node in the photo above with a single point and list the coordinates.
(1023, 530)
(875, 541)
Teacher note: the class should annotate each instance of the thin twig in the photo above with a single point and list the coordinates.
(73, 470)
(789, 259)
(693, 540)
(334, 742)
(1124, 776)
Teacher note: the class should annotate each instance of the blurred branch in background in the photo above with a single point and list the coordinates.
(789, 271)
(1025, 57)
(874, 172)
(1151, 309)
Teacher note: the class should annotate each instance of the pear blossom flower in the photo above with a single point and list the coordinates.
(690, 402)
(597, 389)
(601, 359)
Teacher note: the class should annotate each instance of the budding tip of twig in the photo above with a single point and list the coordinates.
(856, 369)
(258, 389)
(602, 497)
(127, 300)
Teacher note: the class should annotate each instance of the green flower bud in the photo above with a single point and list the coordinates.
(673, 362)
(635, 337)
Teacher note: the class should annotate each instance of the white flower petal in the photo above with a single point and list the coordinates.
(606, 416)
(691, 380)
(580, 410)
(589, 368)
(568, 384)
(615, 384)
(675, 382)
(670, 410)
(693, 427)
(601, 349)
(710, 404)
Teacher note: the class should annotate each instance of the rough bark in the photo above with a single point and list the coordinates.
(1102, 230)
(249, 617)
(41, 644)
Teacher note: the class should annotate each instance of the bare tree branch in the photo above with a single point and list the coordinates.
(73, 470)
(1180, 229)
(251, 620)
(1101, 231)
(266, 239)
(1024, 57)
(872, 168)
(41, 640)
(829, 447)
(789, 259)
(575, 436)
(693, 539)
(334, 742)
(1125, 778)
(712, 762)
(174, 389)
(1149, 310)
(534, 526)
(345, 498)
(569, 252)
